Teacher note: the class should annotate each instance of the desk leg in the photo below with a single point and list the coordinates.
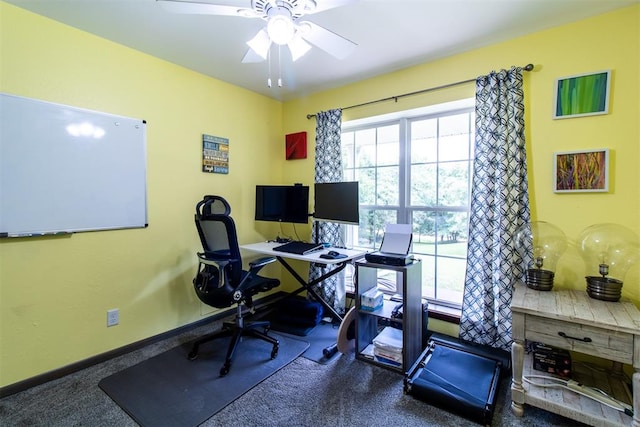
(307, 286)
(517, 391)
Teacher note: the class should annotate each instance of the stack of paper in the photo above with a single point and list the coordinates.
(387, 345)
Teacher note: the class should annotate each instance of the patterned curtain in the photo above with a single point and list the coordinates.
(499, 206)
(328, 169)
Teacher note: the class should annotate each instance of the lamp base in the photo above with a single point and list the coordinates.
(539, 279)
(604, 288)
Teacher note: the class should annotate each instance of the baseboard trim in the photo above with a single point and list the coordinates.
(103, 357)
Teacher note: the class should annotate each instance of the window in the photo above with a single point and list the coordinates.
(415, 168)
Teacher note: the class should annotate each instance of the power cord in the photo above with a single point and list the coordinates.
(583, 390)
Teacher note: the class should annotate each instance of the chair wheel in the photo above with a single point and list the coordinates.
(274, 352)
(193, 354)
(224, 370)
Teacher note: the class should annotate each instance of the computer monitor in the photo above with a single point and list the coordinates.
(337, 202)
(282, 203)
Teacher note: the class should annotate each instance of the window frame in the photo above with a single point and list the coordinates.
(404, 211)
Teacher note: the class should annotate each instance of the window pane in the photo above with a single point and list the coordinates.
(454, 138)
(388, 145)
(424, 232)
(365, 147)
(366, 186)
(450, 279)
(387, 190)
(347, 146)
(423, 185)
(349, 175)
(428, 277)
(453, 181)
(372, 225)
(424, 144)
(451, 233)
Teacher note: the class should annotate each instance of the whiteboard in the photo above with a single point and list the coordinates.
(65, 169)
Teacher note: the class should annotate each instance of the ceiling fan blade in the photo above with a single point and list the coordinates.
(332, 43)
(321, 5)
(200, 8)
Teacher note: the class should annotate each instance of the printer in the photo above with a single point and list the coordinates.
(394, 249)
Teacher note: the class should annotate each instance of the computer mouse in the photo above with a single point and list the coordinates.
(333, 253)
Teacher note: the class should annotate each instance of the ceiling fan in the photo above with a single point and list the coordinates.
(284, 24)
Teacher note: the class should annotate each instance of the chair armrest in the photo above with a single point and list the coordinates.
(220, 265)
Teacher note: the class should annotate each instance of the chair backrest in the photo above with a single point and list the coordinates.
(218, 235)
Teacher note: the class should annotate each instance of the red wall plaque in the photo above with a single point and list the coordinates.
(296, 145)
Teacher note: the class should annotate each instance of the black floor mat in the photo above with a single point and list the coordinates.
(319, 338)
(170, 390)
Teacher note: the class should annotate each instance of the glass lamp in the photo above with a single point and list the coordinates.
(608, 251)
(541, 244)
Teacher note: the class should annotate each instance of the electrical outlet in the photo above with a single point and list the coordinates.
(113, 317)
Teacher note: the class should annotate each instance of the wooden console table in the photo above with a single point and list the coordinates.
(573, 321)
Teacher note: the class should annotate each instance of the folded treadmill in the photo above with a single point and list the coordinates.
(458, 376)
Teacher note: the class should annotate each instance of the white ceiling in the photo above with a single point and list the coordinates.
(391, 35)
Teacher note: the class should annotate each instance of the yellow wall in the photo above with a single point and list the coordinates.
(609, 41)
(54, 292)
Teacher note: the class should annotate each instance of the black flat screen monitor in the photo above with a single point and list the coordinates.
(282, 203)
(337, 202)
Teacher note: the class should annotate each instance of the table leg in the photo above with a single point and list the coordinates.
(635, 384)
(517, 391)
(307, 286)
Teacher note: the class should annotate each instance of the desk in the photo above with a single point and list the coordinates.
(571, 320)
(266, 248)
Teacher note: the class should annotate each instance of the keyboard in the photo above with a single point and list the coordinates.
(300, 248)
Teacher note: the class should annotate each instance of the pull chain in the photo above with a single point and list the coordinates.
(269, 75)
(279, 67)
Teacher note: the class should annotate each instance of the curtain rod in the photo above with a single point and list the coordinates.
(527, 67)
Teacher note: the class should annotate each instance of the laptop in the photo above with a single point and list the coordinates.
(299, 248)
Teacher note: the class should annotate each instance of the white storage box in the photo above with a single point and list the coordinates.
(371, 300)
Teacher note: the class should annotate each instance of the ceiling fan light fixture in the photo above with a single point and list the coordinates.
(281, 29)
(260, 44)
(298, 47)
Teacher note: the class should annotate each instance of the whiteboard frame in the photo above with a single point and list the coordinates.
(52, 182)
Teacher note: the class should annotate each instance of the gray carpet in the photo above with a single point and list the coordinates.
(170, 390)
(347, 392)
(320, 337)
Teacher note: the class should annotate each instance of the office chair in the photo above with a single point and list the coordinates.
(221, 282)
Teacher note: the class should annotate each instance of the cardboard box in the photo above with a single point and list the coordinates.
(551, 360)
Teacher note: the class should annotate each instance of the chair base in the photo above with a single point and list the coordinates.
(236, 330)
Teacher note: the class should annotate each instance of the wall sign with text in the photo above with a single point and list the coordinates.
(215, 154)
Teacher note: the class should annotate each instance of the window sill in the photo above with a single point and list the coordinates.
(446, 314)
(436, 311)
